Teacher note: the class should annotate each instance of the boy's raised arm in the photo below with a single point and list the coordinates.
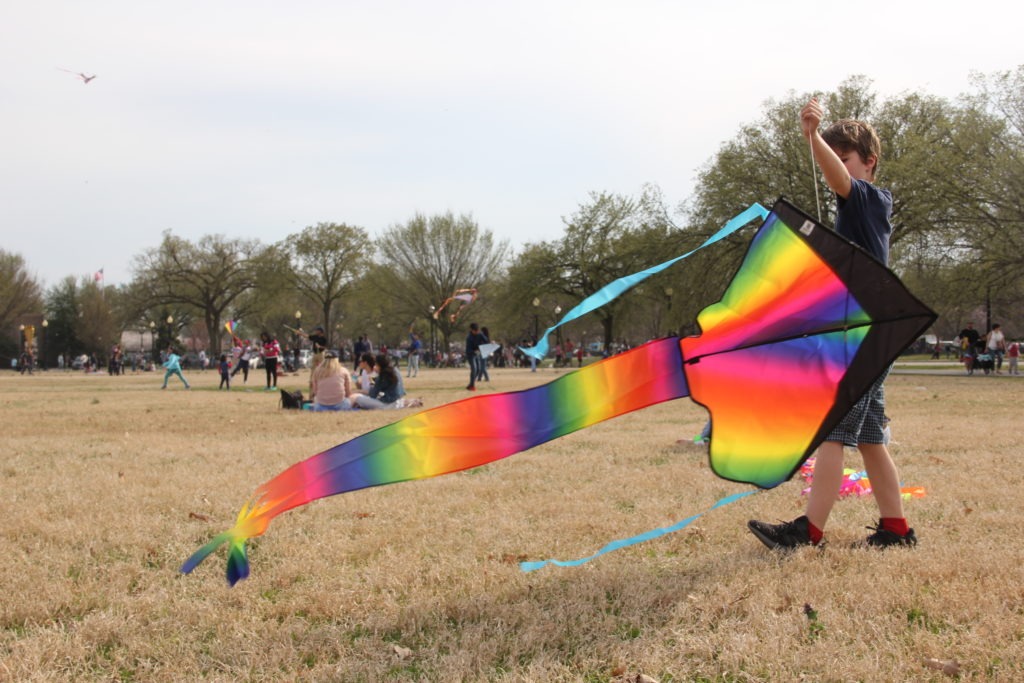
(836, 175)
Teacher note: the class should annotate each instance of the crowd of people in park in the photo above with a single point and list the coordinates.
(375, 380)
(276, 358)
(985, 352)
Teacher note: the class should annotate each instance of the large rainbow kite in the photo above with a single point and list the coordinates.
(231, 326)
(807, 324)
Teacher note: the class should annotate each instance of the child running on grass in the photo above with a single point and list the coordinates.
(173, 365)
(848, 153)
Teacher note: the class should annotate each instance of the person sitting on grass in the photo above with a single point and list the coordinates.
(332, 385)
(366, 367)
(387, 390)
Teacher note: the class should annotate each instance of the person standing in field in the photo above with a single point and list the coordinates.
(995, 345)
(244, 356)
(361, 346)
(225, 372)
(848, 153)
(968, 337)
(482, 375)
(1013, 358)
(173, 367)
(270, 351)
(415, 346)
(473, 341)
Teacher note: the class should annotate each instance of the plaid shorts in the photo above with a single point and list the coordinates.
(866, 420)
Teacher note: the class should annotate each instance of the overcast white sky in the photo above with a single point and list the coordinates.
(258, 118)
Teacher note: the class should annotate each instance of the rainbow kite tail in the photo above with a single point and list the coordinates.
(250, 523)
(238, 563)
(459, 436)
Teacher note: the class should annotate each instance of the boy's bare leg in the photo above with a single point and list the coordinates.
(884, 477)
(828, 478)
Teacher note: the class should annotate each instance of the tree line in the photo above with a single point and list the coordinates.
(955, 167)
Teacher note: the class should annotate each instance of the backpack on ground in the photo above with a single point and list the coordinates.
(291, 400)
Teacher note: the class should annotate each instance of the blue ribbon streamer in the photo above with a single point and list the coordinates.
(626, 542)
(614, 289)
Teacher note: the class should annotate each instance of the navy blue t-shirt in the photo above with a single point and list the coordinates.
(864, 218)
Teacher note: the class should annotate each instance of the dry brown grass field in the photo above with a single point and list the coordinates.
(109, 483)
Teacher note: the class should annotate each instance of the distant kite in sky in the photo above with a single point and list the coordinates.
(805, 327)
(85, 78)
(466, 296)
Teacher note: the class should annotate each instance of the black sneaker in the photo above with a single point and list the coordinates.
(883, 538)
(782, 536)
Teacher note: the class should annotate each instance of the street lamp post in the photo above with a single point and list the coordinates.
(296, 341)
(152, 337)
(668, 295)
(433, 343)
(42, 345)
(536, 320)
(380, 339)
(558, 332)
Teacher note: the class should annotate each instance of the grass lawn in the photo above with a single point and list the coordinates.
(109, 483)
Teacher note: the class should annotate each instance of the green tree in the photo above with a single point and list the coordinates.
(422, 262)
(996, 229)
(97, 327)
(607, 238)
(62, 308)
(771, 158)
(957, 178)
(954, 169)
(209, 276)
(326, 261)
(81, 319)
(20, 294)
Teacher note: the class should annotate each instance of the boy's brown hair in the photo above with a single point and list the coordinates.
(851, 135)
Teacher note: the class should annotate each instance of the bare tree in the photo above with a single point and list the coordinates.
(210, 276)
(327, 261)
(425, 260)
(607, 238)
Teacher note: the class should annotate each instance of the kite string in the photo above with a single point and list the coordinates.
(814, 176)
(612, 290)
(640, 538)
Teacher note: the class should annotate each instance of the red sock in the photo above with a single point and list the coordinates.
(897, 525)
(816, 533)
